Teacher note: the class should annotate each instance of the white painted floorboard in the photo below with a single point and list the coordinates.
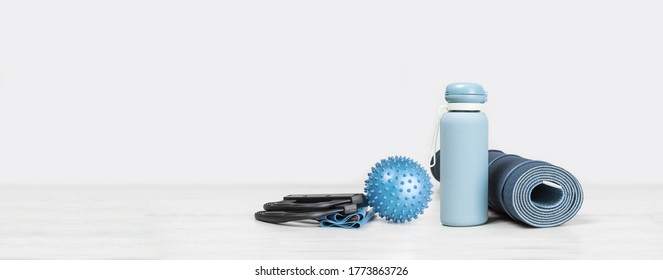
(216, 222)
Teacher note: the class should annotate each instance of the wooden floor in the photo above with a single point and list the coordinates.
(216, 222)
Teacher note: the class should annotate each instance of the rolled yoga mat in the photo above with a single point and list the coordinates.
(536, 193)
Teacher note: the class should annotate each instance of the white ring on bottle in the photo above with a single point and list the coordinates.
(464, 106)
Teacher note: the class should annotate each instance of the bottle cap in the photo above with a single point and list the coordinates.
(465, 93)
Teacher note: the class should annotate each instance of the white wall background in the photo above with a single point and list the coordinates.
(315, 92)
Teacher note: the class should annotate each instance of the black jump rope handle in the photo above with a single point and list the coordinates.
(284, 216)
(287, 216)
(355, 198)
(292, 205)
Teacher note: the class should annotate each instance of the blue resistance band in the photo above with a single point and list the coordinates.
(536, 193)
(355, 220)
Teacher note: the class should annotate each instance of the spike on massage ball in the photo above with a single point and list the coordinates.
(398, 189)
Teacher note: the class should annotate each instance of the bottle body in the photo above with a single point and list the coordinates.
(463, 168)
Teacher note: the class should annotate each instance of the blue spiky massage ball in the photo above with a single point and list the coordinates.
(398, 189)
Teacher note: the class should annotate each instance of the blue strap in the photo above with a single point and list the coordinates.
(355, 220)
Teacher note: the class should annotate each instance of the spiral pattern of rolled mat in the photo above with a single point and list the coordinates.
(536, 193)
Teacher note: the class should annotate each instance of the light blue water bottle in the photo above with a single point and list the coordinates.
(464, 157)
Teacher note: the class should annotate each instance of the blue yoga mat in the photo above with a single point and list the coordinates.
(536, 193)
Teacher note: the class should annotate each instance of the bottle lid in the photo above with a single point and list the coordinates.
(465, 93)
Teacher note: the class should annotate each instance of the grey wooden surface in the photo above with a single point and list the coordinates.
(216, 222)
